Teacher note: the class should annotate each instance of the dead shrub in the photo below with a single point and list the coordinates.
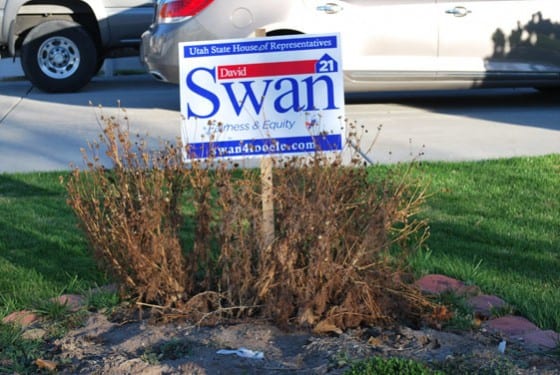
(331, 259)
(131, 213)
(337, 258)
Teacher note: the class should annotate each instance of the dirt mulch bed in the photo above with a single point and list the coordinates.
(106, 345)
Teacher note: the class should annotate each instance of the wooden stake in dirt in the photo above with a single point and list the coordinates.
(267, 201)
(267, 188)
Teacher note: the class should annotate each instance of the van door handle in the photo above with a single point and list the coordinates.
(458, 11)
(329, 8)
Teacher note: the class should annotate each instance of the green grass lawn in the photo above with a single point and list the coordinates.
(495, 224)
(42, 251)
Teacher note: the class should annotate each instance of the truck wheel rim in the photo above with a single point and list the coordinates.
(58, 57)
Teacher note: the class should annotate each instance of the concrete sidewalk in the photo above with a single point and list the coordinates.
(45, 132)
(42, 132)
(10, 69)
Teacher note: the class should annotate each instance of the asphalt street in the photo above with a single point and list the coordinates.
(45, 132)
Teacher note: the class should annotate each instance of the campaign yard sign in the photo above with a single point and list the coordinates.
(262, 96)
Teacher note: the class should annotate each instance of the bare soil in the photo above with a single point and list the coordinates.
(114, 345)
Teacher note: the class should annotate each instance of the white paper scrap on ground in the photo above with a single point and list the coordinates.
(243, 352)
(502, 346)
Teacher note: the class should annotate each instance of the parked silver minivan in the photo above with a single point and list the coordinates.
(386, 44)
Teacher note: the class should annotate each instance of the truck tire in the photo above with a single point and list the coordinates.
(59, 56)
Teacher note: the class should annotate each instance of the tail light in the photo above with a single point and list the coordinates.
(177, 10)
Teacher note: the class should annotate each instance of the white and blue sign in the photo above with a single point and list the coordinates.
(262, 96)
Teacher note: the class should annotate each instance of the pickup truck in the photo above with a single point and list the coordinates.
(62, 43)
